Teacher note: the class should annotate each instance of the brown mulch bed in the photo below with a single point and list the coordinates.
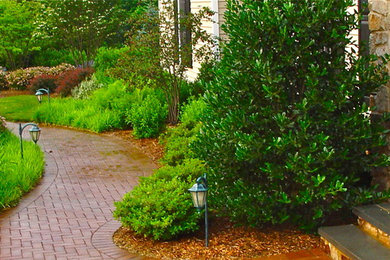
(226, 241)
(8, 93)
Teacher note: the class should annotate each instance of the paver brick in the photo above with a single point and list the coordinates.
(84, 174)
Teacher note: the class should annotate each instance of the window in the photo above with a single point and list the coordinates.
(184, 9)
(364, 32)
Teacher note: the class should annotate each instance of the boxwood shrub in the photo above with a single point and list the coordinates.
(160, 207)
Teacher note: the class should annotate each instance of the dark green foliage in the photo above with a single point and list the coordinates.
(160, 206)
(51, 57)
(286, 133)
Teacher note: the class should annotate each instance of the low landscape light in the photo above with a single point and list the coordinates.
(35, 133)
(40, 92)
(199, 197)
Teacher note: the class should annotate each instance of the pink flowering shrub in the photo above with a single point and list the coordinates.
(20, 79)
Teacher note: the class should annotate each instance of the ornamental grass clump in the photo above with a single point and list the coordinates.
(286, 133)
(17, 176)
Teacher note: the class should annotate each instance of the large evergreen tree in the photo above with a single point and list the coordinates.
(287, 134)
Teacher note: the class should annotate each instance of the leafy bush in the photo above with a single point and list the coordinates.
(17, 176)
(147, 117)
(20, 79)
(43, 81)
(107, 58)
(86, 88)
(160, 206)
(52, 57)
(286, 130)
(70, 79)
(177, 140)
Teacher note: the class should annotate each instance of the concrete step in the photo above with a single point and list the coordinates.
(349, 242)
(375, 220)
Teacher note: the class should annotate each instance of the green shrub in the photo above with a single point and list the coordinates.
(192, 112)
(286, 130)
(17, 176)
(147, 116)
(52, 57)
(115, 96)
(107, 58)
(86, 88)
(177, 140)
(160, 207)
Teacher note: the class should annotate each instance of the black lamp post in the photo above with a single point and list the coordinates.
(199, 198)
(39, 94)
(35, 133)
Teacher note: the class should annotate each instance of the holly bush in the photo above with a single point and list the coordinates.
(287, 129)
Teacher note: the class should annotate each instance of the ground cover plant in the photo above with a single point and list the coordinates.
(19, 108)
(287, 136)
(17, 176)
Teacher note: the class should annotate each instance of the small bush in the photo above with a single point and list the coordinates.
(107, 58)
(147, 117)
(192, 112)
(86, 88)
(177, 140)
(43, 81)
(160, 207)
(70, 79)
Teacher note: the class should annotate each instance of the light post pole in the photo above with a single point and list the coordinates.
(39, 94)
(199, 198)
(35, 132)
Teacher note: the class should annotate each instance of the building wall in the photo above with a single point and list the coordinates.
(196, 5)
(379, 25)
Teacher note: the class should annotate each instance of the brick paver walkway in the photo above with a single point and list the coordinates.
(69, 214)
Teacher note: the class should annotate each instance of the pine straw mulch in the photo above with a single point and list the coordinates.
(226, 242)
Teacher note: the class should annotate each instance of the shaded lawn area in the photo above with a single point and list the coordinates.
(19, 108)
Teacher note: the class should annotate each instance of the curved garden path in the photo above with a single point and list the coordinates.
(69, 214)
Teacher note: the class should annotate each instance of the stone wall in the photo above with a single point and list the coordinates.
(379, 25)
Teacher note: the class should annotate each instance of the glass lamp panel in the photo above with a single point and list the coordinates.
(39, 97)
(194, 195)
(201, 197)
(35, 134)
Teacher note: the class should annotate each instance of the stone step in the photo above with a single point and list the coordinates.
(349, 241)
(375, 220)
